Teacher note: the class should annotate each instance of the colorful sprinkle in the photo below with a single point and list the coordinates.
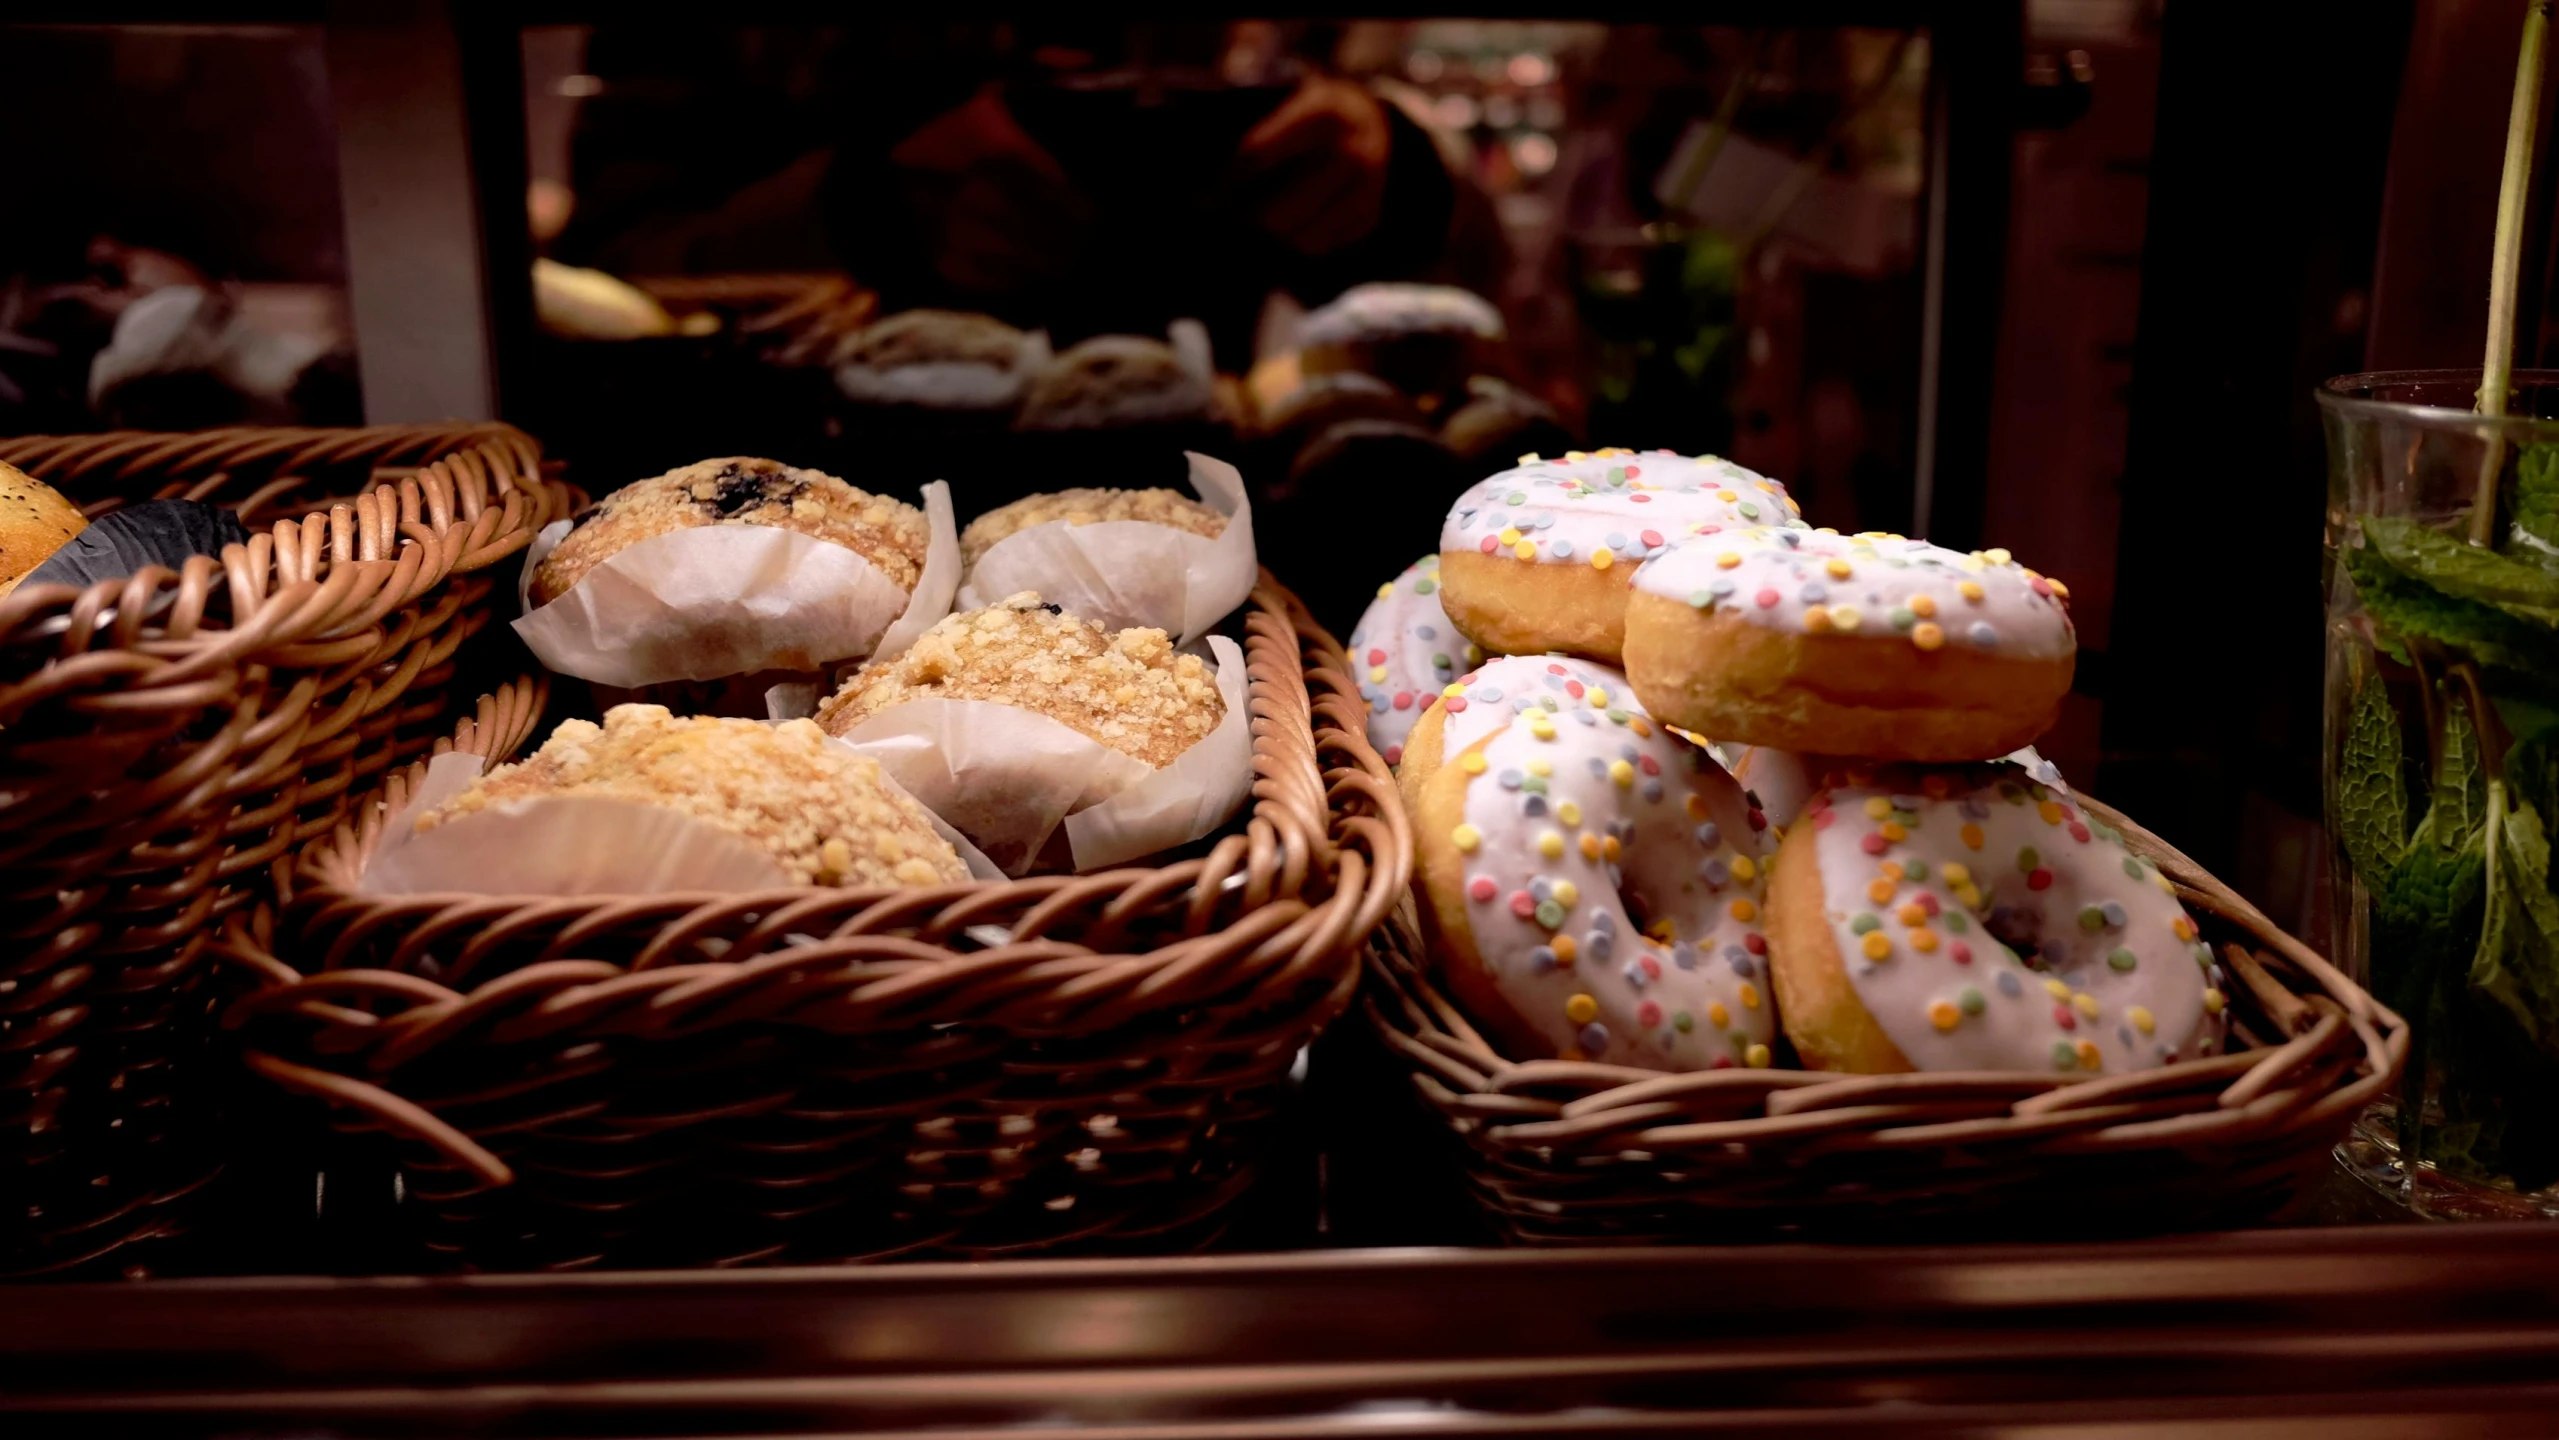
(1466, 838)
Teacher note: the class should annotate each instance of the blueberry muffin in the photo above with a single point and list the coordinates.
(824, 814)
(889, 533)
(1130, 690)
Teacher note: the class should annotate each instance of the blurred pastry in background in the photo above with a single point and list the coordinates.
(1422, 339)
(932, 394)
(943, 360)
(1292, 421)
(1122, 407)
(1356, 495)
(578, 304)
(1118, 380)
(1499, 422)
(187, 357)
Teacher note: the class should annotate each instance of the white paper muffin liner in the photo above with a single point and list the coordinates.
(1011, 778)
(713, 601)
(1125, 574)
(574, 845)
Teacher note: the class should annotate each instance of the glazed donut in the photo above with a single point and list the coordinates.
(1866, 645)
(1900, 911)
(1537, 559)
(1405, 652)
(1592, 882)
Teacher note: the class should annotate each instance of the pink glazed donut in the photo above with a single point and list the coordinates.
(1975, 919)
(1592, 882)
(1405, 651)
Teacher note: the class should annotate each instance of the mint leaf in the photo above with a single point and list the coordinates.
(2372, 786)
(2537, 493)
(2532, 772)
(2517, 963)
(2404, 607)
(2425, 927)
(2425, 919)
(2461, 782)
(2458, 567)
(2500, 930)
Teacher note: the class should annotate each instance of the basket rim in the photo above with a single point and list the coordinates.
(2337, 1049)
(476, 495)
(324, 866)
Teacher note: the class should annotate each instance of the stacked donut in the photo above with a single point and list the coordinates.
(1903, 885)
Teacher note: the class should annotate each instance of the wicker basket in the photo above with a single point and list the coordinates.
(164, 740)
(979, 1069)
(1571, 1153)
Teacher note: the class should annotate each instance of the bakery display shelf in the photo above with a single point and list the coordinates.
(165, 739)
(2342, 1333)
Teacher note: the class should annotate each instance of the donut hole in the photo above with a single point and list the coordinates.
(2021, 929)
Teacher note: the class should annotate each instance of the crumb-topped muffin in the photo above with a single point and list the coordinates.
(825, 815)
(889, 533)
(1130, 690)
(1086, 506)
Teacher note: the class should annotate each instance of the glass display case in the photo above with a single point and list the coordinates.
(1947, 269)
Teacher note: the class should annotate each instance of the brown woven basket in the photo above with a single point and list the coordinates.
(163, 740)
(1570, 1153)
(978, 1069)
